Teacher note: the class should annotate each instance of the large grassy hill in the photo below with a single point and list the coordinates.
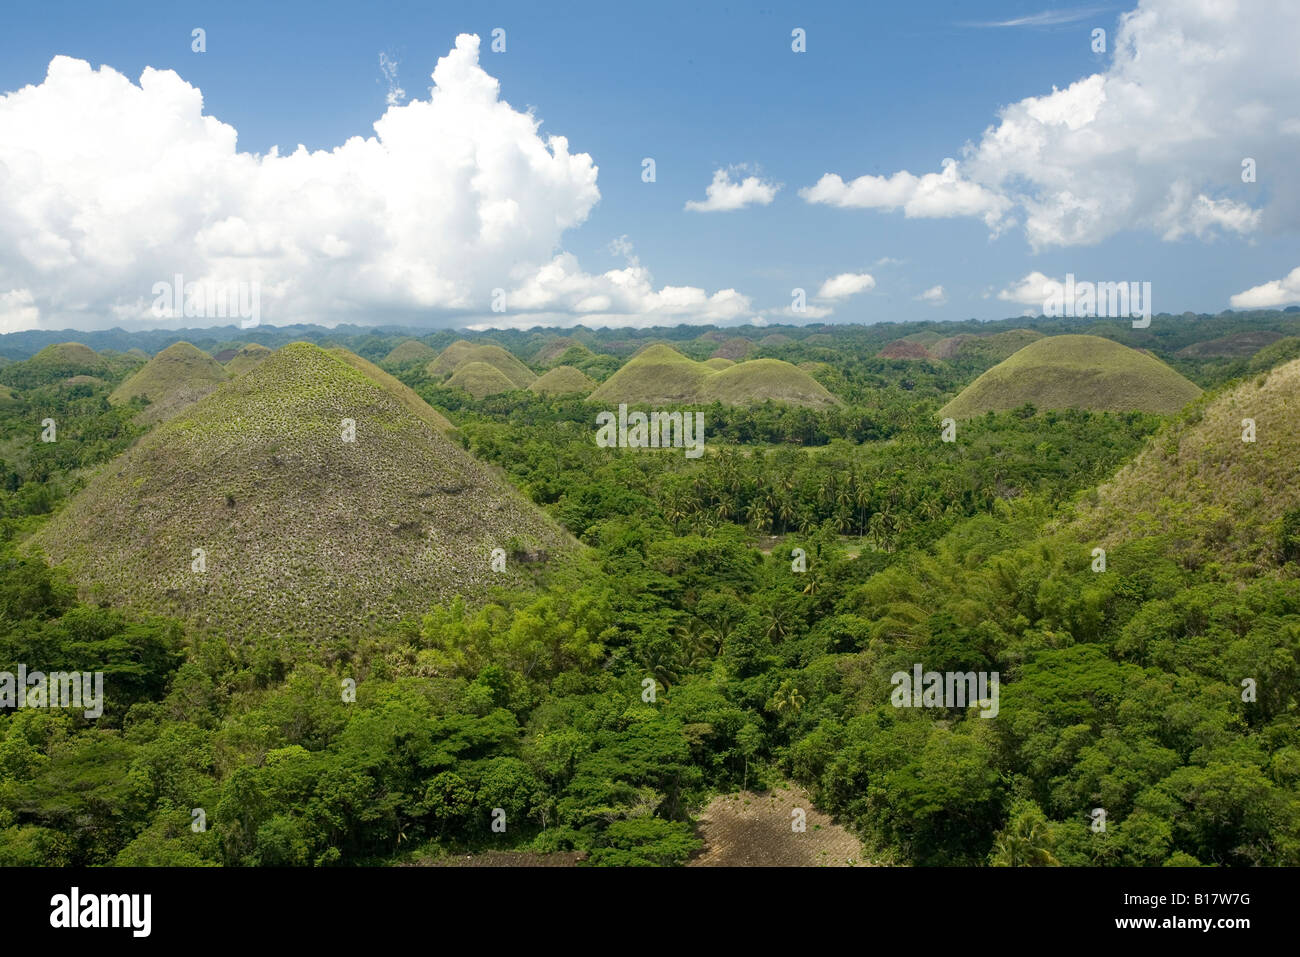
(660, 375)
(563, 380)
(480, 379)
(1075, 372)
(172, 380)
(304, 532)
(410, 352)
(1199, 473)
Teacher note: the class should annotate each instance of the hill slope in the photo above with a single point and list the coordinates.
(409, 398)
(450, 357)
(563, 380)
(480, 379)
(54, 363)
(247, 358)
(172, 380)
(1198, 473)
(758, 380)
(660, 375)
(410, 352)
(657, 375)
(1075, 372)
(304, 533)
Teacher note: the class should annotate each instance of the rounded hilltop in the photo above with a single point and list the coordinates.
(660, 375)
(1075, 372)
(302, 531)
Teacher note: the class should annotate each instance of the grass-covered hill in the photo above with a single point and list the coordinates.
(659, 375)
(1238, 345)
(171, 381)
(444, 364)
(480, 379)
(304, 533)
(735, 349)
(248, 357)
(55, 363)
(563, 380)
(555, 348)
(1199, 474)
(718, 362)
(410, 352)
(400, 390)
(757, 380)
(518, 374)
(1075, 372)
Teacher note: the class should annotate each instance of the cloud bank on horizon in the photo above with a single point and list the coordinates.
(459, 201)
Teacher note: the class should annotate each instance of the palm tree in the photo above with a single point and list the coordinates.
(787, 701)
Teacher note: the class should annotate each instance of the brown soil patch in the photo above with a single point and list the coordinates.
(508, 859)
(754, 830)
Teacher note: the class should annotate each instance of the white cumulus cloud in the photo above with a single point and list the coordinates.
(108, 187)
(1153, 143)
(846, 284)
(1270, 295)
(934, 295)
(724, 194)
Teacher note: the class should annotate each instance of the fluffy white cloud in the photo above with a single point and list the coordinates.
(846, 284)
(934, 195)
(1270, 295)
(108, 187)
(1032, 290)
(723, 194)
(934, 295)
(1155, 143)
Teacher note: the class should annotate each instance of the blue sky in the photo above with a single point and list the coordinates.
(882, 88)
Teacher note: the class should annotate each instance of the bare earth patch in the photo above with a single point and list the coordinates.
(508, 859)
(754, 830)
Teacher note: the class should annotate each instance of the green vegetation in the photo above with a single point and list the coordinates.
(1162, 687)
(1075, 372)
(259, 475)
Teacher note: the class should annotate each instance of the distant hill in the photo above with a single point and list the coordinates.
(303, 532)
(54, 363)
(563, 380)
(758, 380)
(660, 375)
(410, 352)
(554, 349)
(905, 349)
(1239, 345)
(519, 375)
(446, 361)
(1198, 472)
(172, 380)
(774, 339)
(480, 379)
(1283, 350)
(993, 348)
(249, 357)
(718, 362)
(1075, 372)
(734, 349)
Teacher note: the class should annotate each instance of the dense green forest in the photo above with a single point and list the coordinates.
(1120, 690)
